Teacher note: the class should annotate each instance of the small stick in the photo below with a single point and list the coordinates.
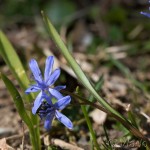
(64, 145)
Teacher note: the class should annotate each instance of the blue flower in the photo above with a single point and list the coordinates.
(145, 14)
(48, 111)
(44, 85)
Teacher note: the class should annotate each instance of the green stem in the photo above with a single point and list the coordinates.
(36, 131)
(35, 139)
(90, 127)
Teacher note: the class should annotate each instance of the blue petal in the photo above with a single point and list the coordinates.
(145, 14)
(47, 98)
(37, 103)
(63, 119)
(48, 67)
(53, 77)
(35, 70)
(60, 87)
(32, 88)
(55, 93)
(48, 121)
(62, 103)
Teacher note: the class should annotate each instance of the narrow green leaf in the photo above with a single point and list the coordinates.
(133, 118)
(109, 146)
(12, 60)
(22, 112)
(90, 127)
(76, 68)
(97, 88)
(17, 100)
(89, 124)
(84, 80)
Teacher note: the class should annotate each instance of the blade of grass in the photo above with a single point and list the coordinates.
(12, 60)
(107, 138)
(90, 127)
(89, 124)
(76, 68)
(21, 110)
(97, 88)
(85, 112)
(132, 118)
(84, 80)
(17, 99)
(126, 123)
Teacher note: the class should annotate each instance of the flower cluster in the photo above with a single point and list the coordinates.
(43, 104)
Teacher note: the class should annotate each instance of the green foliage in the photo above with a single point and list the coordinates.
(12, 60)
(85, 81)
(17, 100)
(76, 68)
(116, 14)
(107, 143)
(22, 112)
(20, 8)
(119, 23)
(98, 86)
(115, 34)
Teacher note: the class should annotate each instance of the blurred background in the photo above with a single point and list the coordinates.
(110, 39)
(85, 25)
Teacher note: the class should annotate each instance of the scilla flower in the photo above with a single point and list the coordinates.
(145, 13)
(44, 85)
(48, 111)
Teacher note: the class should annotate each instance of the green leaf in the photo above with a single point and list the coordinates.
(76, 68)
(22, 112)
(17, 100)
(84, 80)
(12, 60)
(90, 127)
(109, 145)
(89, 124)
(97, 88)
